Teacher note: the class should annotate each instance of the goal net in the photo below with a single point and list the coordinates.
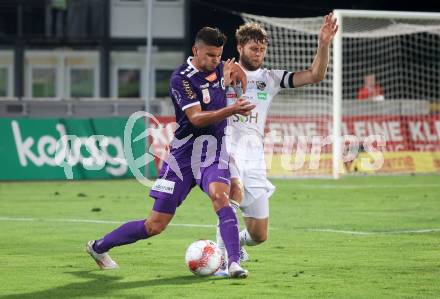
(381, 93)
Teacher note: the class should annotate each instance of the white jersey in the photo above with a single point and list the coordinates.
(245, 134)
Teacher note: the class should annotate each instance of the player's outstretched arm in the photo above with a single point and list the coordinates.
(201, 118)
(317, 71)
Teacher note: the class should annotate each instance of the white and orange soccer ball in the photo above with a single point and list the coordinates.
(203, 258)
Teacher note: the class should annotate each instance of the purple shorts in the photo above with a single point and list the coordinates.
(169, 191)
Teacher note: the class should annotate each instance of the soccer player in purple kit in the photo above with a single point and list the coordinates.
(197, 90)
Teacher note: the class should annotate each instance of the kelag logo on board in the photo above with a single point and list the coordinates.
(54, 147)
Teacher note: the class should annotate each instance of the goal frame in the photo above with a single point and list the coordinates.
(337, 69)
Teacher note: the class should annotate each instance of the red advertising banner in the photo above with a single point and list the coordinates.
(403, 134)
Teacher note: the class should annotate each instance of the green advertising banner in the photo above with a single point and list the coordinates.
(52, 149)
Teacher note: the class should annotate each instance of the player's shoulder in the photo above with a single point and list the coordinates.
(186, 71)
(182, 75)
(271, 74)
(279, 76)
(276, 72)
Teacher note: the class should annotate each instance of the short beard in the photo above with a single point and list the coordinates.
(248, 65)
(206, 70)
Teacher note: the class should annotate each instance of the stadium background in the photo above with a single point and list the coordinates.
(216, 12)
(78, 67)
(358, 237)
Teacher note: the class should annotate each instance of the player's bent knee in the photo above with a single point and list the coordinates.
(220, 201)
(259, 237)
(220, 198)
(154, 227)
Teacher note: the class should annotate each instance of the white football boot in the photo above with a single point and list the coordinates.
(244, 256)
(223, 270)
(103, 260)
(236, 271)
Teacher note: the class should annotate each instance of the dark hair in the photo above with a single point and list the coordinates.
(211, 37)
(251, 31)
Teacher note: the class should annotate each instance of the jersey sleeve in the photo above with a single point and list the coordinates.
(282, 78)
(183, 92)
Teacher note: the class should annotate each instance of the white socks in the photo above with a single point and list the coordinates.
(235, 205)
(245, 239)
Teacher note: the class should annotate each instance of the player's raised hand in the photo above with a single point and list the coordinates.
(227, 70)
(242, 106)
(234, 73)
(328, 30)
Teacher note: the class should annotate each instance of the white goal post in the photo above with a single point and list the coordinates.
(400, 50)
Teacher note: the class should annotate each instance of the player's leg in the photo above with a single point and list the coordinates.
(255, 207)
(166, 201)
(134, 231)
(215, 182)
(256, 217)
(256, 231)
(228, 224)
(127, 233)
(236, 193)
(235, 198)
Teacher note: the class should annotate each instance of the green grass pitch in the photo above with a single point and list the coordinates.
(358, 237)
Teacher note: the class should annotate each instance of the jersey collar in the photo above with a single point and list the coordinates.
(250, 73)
(208, 77)
(189, 62)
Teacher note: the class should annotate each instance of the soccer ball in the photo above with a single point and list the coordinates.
(203, 258)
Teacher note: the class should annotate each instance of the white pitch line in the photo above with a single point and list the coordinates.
(2, 218)
(394, 232)
(336, 186)
(329, 230)
(16, 219)
(323, 230)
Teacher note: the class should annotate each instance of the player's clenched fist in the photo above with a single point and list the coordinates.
(242, 106)
(234, 73)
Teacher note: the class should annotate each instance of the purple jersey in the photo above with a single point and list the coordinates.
(190, 87)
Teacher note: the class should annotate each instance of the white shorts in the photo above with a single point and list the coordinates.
(257, 188)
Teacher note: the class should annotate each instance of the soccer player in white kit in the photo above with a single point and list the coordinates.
(250, 188)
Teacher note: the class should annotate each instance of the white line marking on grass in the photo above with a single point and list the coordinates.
(329, 230)
(336, 186)
(392, 232)
(322, 230)
(3, 218)
(16, 219)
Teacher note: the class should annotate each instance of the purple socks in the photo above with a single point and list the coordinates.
(134, 231)
(127, 233)
(229, 232)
